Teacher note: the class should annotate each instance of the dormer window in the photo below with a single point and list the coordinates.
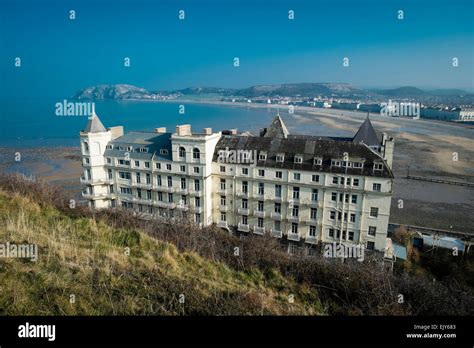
(317, 161)
(163, 151)
(121, 148)
(280, 157)
(298, 159)
(357, 164)
(262, 156)
(346, 164)
(129, 148)
(110, 147)
(335, 163)
(143, 149)
(378, 166)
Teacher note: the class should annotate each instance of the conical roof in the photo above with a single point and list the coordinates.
(366, 134)
(277, 128)
(94, 125)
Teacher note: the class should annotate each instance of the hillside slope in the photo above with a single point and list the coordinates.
(88, 259)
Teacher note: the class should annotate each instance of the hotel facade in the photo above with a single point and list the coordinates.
(305, 189)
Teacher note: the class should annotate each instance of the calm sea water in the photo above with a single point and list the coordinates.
(33, 122)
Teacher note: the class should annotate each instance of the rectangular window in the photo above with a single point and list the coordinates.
(296, 193)
(278, 174)
(261, 172)
(333, 196)
(170, 198)
(294, 228)
(315, 178)
(197, 185)
(245, 187)
(223, 217)
(125, 175)
(377, 187)
(158, 180)
(314, 213)
(139, 193)
(354, 199)
(109, 172)
(370, 245)
(314, 195)
(222, 169)
(182, 168)
(139, 180)
(170, 181)
(332, 215)
(296, 176)
(312, 231)
(148, 178)
(331, 232)
(335, 180)
(148, 194)
(183, 183)
(261, 188)
(372, 231)
(147, 164)
(245, 171)
(351, 235)
(168, 166)
(374, 212)
(260, 206)
(280, 158)
(355, 182)
(196, 170)
(353, 217)
(223, 201)
(160, 196)
(137, 163)
(260, 222)
(277, 225)
(245, 203)
(278, 191)
(278, 208)
(244, 220)
(295, 211)
(222, 184)
(125, 190)
(158, 165)
(197, 201)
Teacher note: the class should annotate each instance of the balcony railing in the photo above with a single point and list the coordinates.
(96, 182)
(293, 236)
(222, 224)
(163, 188)
(276, 233)
(221, 191)
(259, 195)
(292, 218)
(242, 227)
(182, 191)
(197, 193)
(258, 213)
(311, 221)
(275, 215)
(243, 211)
(259, 230)
(242, 194)
(223, 208)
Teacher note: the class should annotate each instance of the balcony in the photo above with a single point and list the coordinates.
(90, 181)
(197, 193)
(197, 209)
(93, 196)
(259, 195)
(311, 221)
(259, 230)
(275, 198)
(292, 218)
(222, 191)
(223, 208)
(182, 207)
(222, 224)
(243, 194)
(141, 200)
(141, 185)
(258, 213)
(310, 203)
(163, 188)
(243, 211)
(275, 216)
(311, 239)
(182, 191)
(243, 228)
(164, 204)
(293, 236)
(276, 233)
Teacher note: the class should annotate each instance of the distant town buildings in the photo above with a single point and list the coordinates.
(301, 188)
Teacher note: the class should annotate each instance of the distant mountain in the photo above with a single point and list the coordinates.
(299, 89)
(119, 91)
(448, 92)
(407, 91)
(204, 90)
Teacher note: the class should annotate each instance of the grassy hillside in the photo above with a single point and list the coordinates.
(87, 258)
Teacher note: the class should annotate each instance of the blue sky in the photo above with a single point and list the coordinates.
(60, 56)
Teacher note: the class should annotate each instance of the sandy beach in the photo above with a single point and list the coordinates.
(423, 147)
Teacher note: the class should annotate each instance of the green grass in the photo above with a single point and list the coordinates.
(117, 271)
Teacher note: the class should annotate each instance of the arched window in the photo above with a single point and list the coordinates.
(182, 152)
(196, 154)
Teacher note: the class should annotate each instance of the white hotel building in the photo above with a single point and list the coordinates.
(306, 189)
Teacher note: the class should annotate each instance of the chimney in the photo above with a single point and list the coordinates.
(183, 130)
(160, 130)
(207, 131)
(233, 131)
